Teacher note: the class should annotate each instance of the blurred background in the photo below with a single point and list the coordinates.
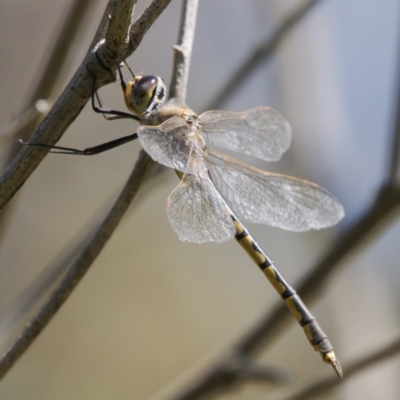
(153, 311)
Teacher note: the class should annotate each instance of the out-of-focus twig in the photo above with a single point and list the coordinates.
(234, 369)
(258, 55)
(80, 266)
(49, 72)
(352, 368)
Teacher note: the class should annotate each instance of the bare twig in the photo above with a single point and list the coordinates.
(74, 97)
(233, 370)
(142, 25)
(183, 51)
(259, 55)
(79, 268)
(352, 368)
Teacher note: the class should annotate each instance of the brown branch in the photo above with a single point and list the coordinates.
(352, 368)
(79, 268)
(75, 95)
(260, 54)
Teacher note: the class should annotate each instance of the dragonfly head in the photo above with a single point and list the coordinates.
(145, 94)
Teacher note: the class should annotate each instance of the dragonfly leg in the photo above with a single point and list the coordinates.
(108, 113)
(314, 333)
(89, 151)
(129, 68)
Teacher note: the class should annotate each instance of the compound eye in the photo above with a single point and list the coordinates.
(145, 86)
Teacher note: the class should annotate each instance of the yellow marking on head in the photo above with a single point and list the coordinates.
(128, 98)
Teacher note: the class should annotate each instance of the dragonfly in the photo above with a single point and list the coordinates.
(217, 191)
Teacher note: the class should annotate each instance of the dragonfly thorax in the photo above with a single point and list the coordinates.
(145, 94)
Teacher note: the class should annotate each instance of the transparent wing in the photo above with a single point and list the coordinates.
(170, 144)
(197, 212)
(272, 199)
(261, 132)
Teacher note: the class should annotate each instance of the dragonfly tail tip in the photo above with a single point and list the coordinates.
(338, 369)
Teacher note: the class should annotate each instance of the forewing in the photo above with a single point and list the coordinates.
(261, 132)
(170, 144)
(272, 199)
(197, 212)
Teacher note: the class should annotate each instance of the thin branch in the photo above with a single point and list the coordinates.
(352, 368)
(142, 25)
(58, 51)
(183, 52)
(80, 266)
(74, 98)
(27, 301)
(49, 72)
(260, 54)
(231, 371)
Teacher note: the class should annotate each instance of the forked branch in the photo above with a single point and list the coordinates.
(78, 91)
